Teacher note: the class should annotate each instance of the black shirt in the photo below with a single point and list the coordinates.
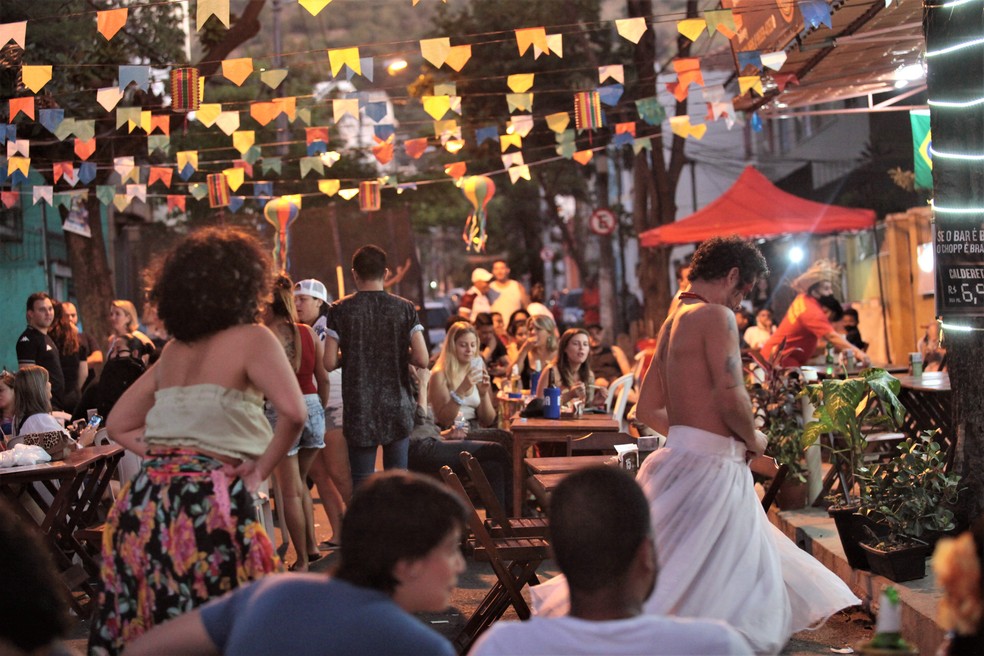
(35, 347)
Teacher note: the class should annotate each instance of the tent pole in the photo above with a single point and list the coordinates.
(881, 291)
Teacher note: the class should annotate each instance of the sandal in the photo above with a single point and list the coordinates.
(328, 545)
(316, 556)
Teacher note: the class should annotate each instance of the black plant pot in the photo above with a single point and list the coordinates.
(899, 564)
(851, 529)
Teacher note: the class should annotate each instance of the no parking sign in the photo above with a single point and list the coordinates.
(602, 222)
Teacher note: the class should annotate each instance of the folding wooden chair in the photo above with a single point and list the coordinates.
(514, 561)
(497, 522)
(767, 468)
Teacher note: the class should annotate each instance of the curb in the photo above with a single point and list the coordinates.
(813, 530)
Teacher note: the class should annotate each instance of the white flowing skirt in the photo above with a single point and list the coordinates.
(719, 556)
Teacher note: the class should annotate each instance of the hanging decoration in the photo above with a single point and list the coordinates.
(587, 110)
(218, 190)
(184, 90)
(369, 197)
(281, 213)
(478, 189)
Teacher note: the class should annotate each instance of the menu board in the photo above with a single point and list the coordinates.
(959, 266)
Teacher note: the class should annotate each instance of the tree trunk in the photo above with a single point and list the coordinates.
(91, 273)
(959, 76)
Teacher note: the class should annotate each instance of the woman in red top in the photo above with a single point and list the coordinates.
(305, 353)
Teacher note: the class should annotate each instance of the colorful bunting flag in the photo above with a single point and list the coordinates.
(111, 21)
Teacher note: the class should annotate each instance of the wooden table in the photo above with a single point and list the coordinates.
(928, 402)
(76, 485)
(563, 464)
(601, 430)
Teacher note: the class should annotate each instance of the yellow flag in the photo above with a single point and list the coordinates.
(343, 106)
(186, 157)
(348, 194)
(22, 164)
(344, 57)
(237, 70)
(234, 177)
(109, 97)
(243, 140)
(691, 27)
(532, 36)
(458, 56)
(558, 122)
(208, 8)
(435, 51)
(507, 140)
(582, 157)
(753, 82)
(314, 7)
(519, 101)
(207, 113)
(436, 106)
(35, 77)
(631, 28)
(111, 21)
(520, 82)
(329, 187)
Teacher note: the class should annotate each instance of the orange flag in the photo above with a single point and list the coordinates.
(456, 170)
(162, 173)
(111, 21)
(84, 149)
(415, 147)
(24, 104)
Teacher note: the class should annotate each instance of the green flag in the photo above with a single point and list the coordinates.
(922, 139)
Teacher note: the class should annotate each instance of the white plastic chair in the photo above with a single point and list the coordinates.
(619, 391)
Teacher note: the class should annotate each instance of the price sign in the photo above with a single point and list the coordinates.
(602, 222)
(959, 267)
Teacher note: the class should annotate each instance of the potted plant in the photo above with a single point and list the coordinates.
(847, 411)
(911, 497)
(775, 394)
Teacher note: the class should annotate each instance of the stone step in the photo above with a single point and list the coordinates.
(813, 530)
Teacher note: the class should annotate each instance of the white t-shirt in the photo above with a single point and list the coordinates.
(40, 423)
(510, 297)
(644, 634)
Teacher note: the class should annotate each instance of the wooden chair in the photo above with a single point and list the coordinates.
(514, 561)
(498, 523)
(767, 468)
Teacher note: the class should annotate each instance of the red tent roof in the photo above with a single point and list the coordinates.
(754, 207)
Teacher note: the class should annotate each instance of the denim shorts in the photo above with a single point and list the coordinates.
(313, 434)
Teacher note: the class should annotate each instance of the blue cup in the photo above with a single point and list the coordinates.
(534, 381)
(551, 403)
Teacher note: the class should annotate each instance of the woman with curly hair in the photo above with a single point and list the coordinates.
(184, 530)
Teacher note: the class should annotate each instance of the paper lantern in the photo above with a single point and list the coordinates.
(185, 95)
(478, 189)
(587, 110)
(281, 213)
(369, 200)
(218, 190)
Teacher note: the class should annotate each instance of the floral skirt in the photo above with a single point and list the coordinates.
(179, 534)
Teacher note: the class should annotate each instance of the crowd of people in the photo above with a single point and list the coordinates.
(251, 379)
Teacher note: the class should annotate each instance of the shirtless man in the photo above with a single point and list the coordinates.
(697, 349)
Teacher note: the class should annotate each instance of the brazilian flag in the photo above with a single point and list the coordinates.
(922, 139)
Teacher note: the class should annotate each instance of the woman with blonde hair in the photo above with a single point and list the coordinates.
(306, 354)
(460, 384)
(539, 349)
(126, 339)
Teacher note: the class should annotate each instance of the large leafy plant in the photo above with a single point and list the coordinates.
(851, 409)
(912, 494)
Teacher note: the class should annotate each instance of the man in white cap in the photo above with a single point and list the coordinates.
(805, 321)
(479, 297)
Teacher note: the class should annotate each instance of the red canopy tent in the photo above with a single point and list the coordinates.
(754, 207)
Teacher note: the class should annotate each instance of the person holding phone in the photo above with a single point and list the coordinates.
(460, 383)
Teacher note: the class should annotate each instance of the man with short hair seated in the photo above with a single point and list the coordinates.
(602, 541)
(400, 554)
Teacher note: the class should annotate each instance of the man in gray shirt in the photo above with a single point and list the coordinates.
(374, 336)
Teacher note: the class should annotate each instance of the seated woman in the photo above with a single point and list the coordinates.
(126, 339)
(461, 386)
(571, 371)
(431, 448)
(539, 348)
(32, 406)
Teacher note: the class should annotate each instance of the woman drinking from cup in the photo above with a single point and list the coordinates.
(460, 386)
(539, 349)
(571, 371)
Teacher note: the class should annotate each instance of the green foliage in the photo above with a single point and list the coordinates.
(912, 494)
(852, 408)
(776, 406)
